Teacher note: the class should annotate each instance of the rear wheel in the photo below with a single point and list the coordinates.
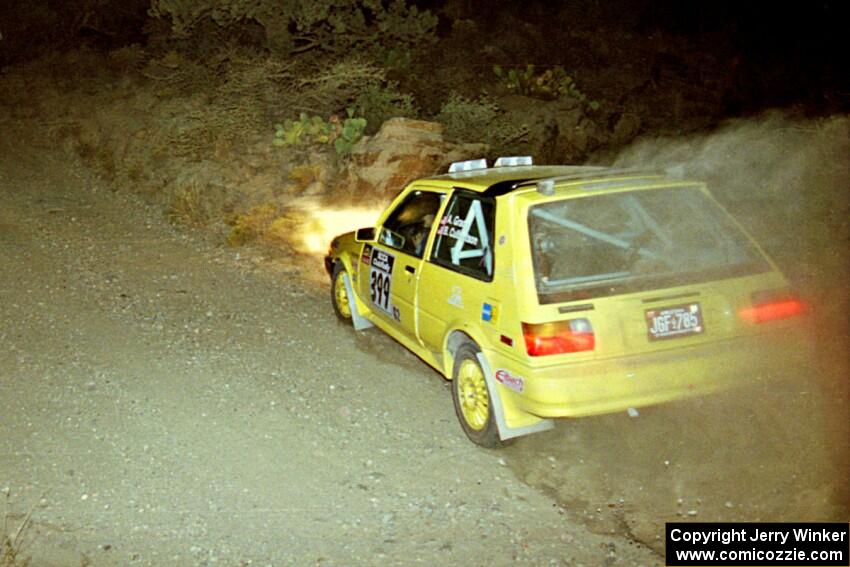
(339, 294)
(472, 400)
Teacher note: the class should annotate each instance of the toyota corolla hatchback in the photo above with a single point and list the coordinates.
(546, 292)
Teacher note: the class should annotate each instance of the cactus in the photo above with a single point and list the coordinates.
(553, 83)
(302, 132)
(352, 131)
(315, 130)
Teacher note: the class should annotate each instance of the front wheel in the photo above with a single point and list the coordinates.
(339, 294)
(472, 400)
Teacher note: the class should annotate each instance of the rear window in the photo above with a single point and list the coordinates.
(624, 242)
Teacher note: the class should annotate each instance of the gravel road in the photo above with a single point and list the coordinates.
(168, 401)
(165, 400)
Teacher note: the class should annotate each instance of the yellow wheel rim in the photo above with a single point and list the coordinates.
(474, 399)
(341, 295)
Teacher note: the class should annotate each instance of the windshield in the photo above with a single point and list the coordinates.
(622, 242)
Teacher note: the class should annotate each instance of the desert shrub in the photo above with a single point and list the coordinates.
(329, 90)
(550, 84)
(377, 104)
(304, 175)
(193, 136)
(393, 58)
(190, 205)
(479, 120)
(249, 93)
(293, 26)
(251, 225)
(466, 119)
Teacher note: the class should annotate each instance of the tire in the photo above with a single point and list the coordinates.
(472, 400)
(339, 294)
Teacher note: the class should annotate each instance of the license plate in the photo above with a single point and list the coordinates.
(673, 322)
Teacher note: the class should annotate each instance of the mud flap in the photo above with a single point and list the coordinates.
(506, 432)
(360, 323)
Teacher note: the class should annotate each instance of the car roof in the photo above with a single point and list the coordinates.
(495, 181)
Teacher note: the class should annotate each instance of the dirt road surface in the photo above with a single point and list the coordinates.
(165, 400)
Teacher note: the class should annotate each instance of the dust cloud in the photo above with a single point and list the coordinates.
(786, 179)
(323, 222)
(772, 451)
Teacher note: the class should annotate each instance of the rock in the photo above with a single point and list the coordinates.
(401, 151)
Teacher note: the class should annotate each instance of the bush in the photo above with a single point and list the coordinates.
(294, 26)
(468, 120)
(551, 84)
(481, 120)
(332, 89)
(190, 205)
(377, 104)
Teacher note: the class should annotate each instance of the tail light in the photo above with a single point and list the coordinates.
(575, 335)
(772, 305)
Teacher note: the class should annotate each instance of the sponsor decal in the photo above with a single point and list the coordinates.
(486, 312)
(457, 228)
(456, 297)
(366, 257)
(509, 380)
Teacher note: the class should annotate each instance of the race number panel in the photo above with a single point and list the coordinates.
(381, 280)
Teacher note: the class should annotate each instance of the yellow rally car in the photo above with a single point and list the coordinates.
(546, 292)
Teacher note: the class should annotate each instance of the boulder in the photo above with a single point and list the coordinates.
(403, 150)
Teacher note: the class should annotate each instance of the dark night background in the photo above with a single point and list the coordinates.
(772, 54)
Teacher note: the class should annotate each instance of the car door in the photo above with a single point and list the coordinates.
(455, 282)
(395, 259)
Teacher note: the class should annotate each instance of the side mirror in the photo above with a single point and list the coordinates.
(365, 234)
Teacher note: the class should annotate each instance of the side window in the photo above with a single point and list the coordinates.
(408, 226)
(464, 240)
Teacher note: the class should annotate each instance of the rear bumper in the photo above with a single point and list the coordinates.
(603, 386)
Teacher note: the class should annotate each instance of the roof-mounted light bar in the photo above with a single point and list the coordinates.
(468, 165)
(513, 161)
(546, 187)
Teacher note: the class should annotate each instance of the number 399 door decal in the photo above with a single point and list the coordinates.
(381, 280)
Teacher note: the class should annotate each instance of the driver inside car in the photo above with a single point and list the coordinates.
(420, 235)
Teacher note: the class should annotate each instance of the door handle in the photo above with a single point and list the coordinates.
(410, 269)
